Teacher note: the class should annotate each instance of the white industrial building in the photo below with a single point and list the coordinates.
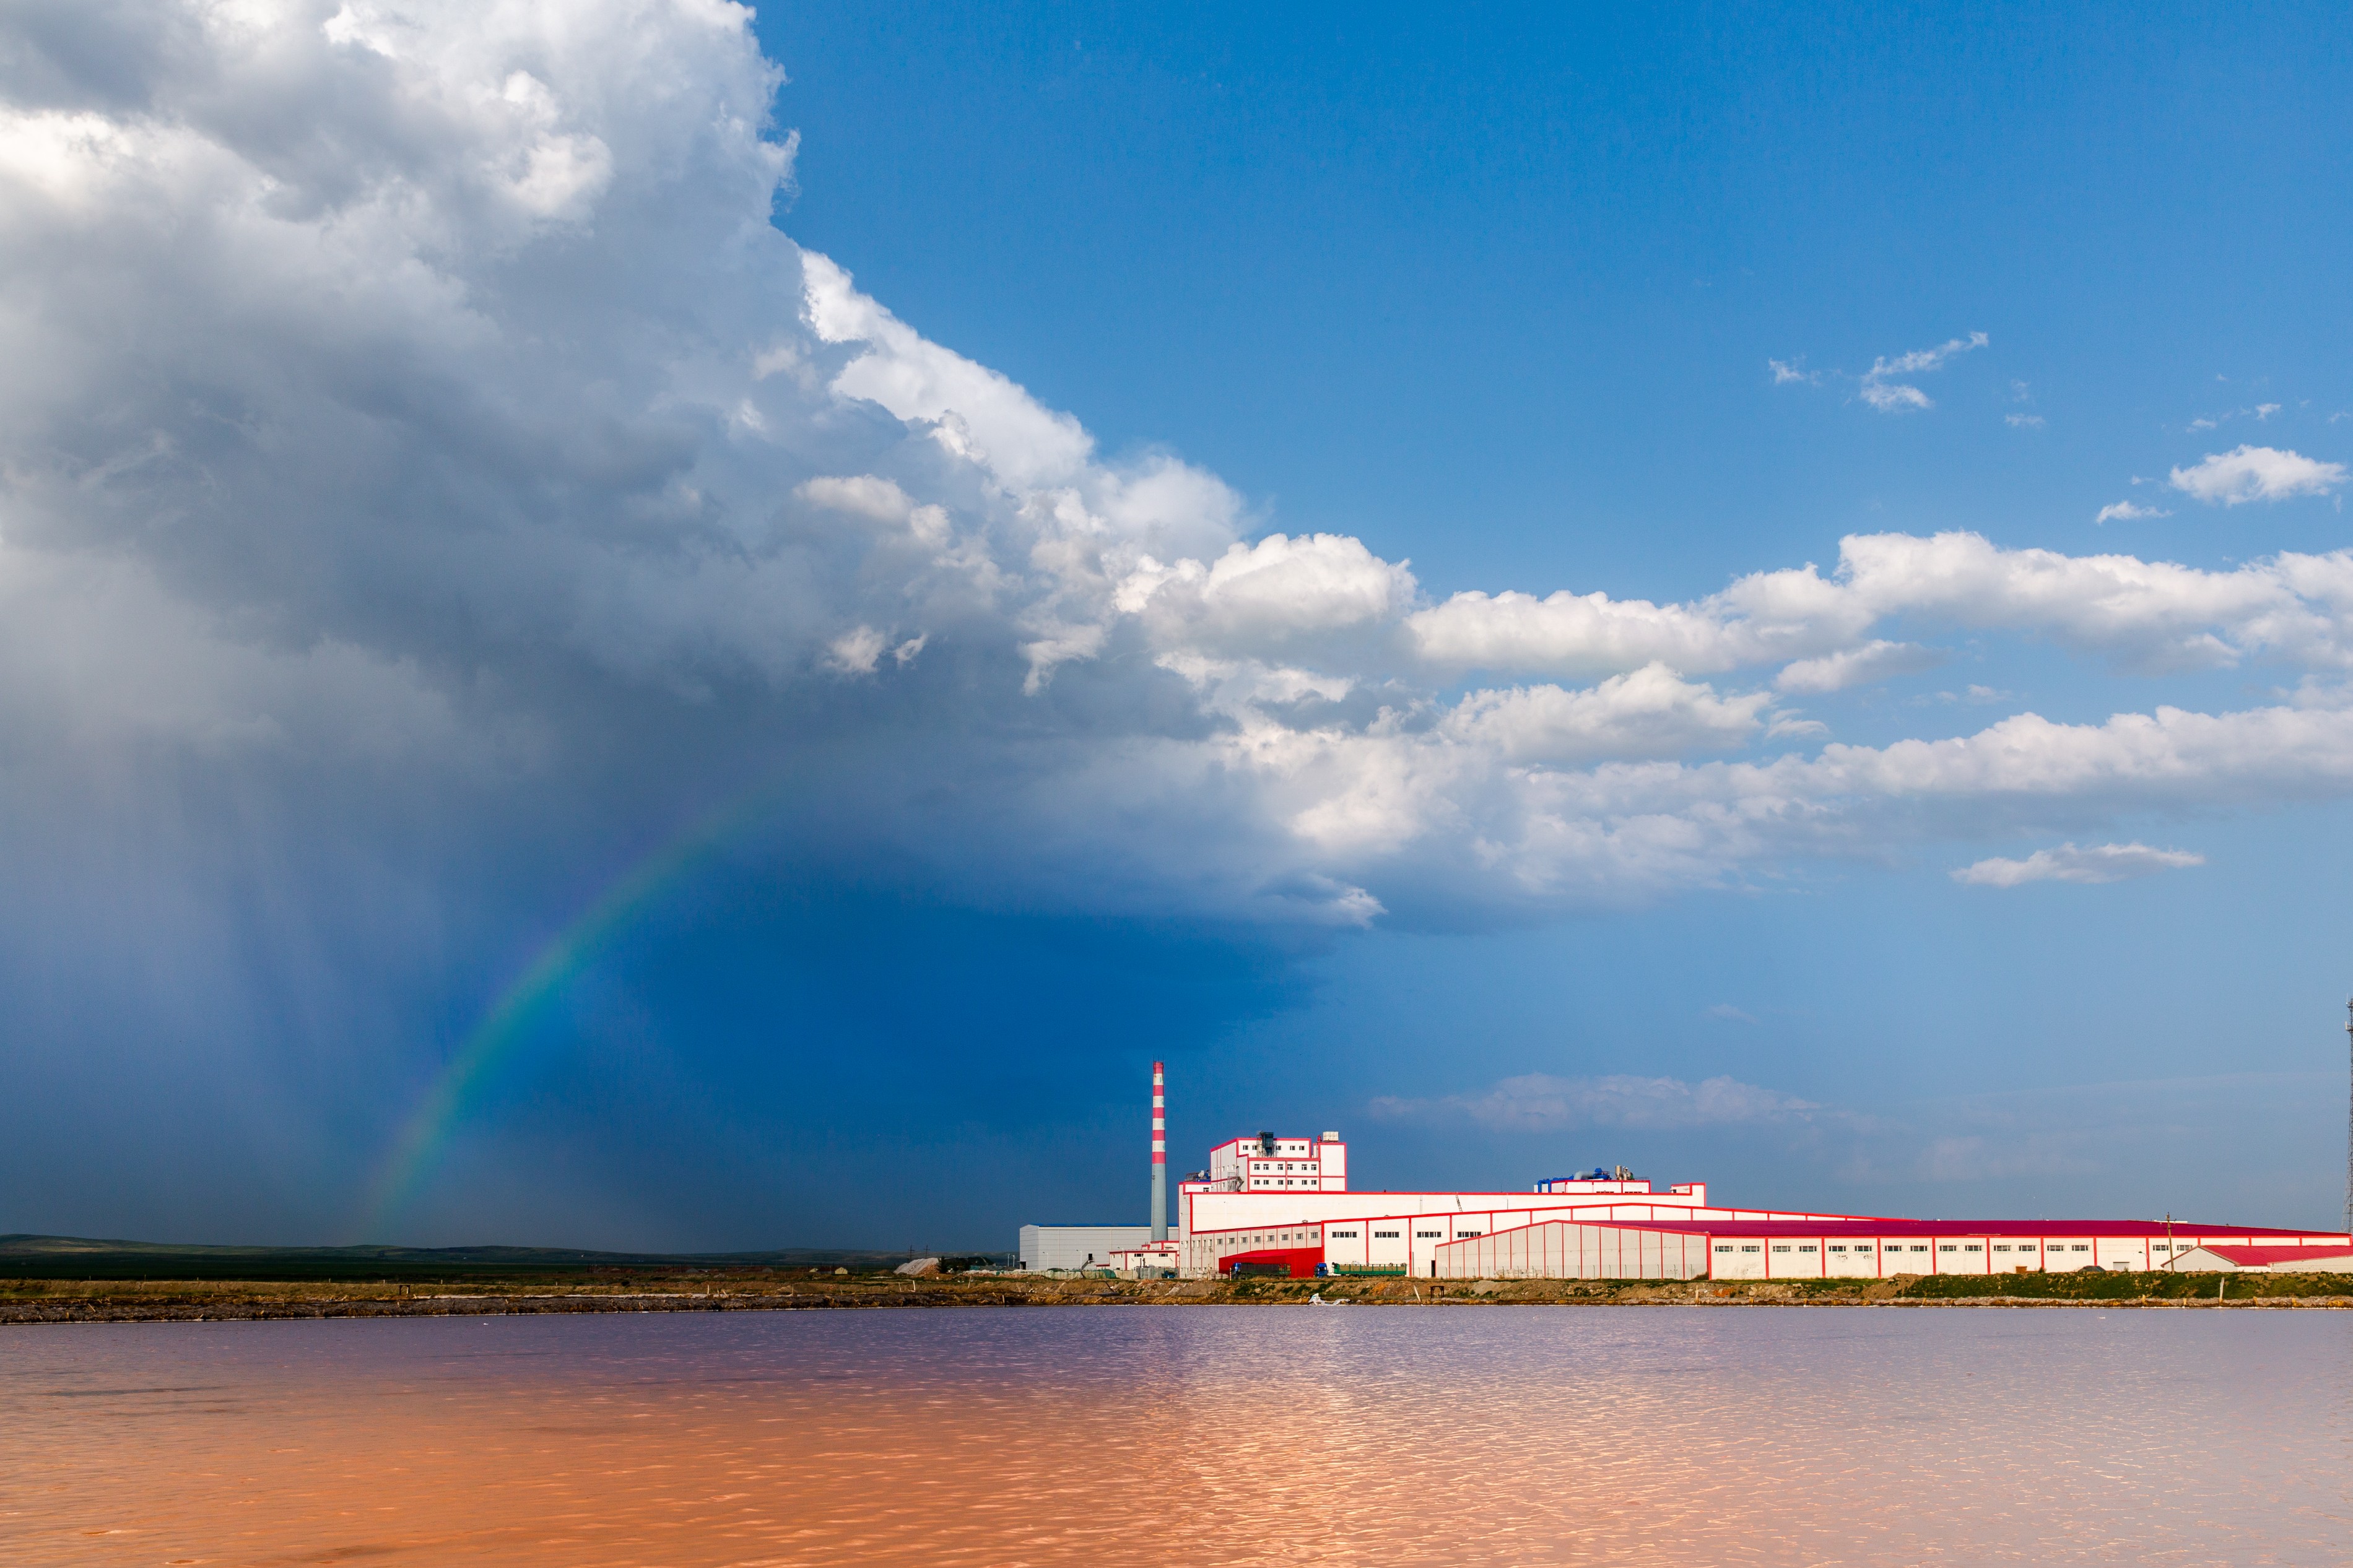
(1078, 1247)
(1869, 1249)
(1283, 1204)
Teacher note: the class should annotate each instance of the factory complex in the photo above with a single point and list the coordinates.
(1282, 1206)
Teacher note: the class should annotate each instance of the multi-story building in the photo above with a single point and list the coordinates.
(1282, 1205)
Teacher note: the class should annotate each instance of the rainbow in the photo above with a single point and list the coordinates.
(426, 1136)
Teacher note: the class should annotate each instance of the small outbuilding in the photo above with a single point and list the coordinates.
(2216, 1259)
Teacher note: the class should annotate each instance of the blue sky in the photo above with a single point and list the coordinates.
(1038, 603)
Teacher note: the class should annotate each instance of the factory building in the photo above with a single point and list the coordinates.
(1276, 1204)
(1861, 1248)
(1079, 1246)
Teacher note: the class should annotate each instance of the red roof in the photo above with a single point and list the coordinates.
(1838, 1230)
(2261, 1257)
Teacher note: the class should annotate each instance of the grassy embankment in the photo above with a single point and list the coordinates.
(671, 1288)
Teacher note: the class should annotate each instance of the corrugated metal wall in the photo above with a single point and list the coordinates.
(1069, 1246)
(1558, 1249)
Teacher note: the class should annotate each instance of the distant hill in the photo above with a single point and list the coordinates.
(85, 1257)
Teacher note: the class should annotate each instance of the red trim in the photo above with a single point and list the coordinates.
(2269, 1254)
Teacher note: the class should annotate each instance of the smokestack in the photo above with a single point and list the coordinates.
(1159, 1153)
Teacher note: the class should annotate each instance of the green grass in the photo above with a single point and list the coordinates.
(2160, 1284)
(75, 1258)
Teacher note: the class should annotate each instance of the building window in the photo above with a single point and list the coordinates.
(2080, 1247)
(1998, 1247)
(1468, 1232)
(1431, 1234)
(1922, 1249)
(1751, 1249)
(1973, 1247)
(1349, 1234)
(1724, 1249)
(1384, 1236)
(1780, 1249)
(1948, 1248)
(1836, 1248)
(1805, 1249)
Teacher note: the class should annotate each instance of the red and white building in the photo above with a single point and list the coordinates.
(1284, 1203)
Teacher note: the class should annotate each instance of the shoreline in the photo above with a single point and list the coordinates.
(31, 1302)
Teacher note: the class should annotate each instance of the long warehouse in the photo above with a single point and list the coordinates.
(1283, 1205)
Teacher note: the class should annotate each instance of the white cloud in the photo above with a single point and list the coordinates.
(1893, 399)
(2125, 512)
(2145, 614)
(2067, 863)
(863, 496)
(386, 435)
(972, 411)
(1647, 713)
(857, 651)
(2023, 421)
(1788, 371)
(2255, 473)
(1881, 391)
(1879, 661)
(1539, 1102)
(1261, 597)
(1730, 1014)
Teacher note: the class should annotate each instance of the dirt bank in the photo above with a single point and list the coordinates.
(85, 1302)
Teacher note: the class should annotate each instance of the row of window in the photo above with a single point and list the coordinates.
(1942, 1246)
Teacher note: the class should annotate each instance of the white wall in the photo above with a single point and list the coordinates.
(1564, 1250)
(1068, 1246)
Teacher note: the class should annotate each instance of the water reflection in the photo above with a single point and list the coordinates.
(1239, 1435)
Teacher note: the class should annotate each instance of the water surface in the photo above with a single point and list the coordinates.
(1156, 1434)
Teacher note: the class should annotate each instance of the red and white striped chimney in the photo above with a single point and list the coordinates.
(1159, 1153)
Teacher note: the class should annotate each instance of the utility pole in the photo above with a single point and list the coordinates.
(2349, 1121)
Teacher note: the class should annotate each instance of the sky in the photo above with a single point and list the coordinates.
(629, 623)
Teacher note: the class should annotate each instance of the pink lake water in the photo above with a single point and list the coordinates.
(1196, 1434)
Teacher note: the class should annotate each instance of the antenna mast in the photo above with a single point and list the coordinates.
(2348, 1126)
